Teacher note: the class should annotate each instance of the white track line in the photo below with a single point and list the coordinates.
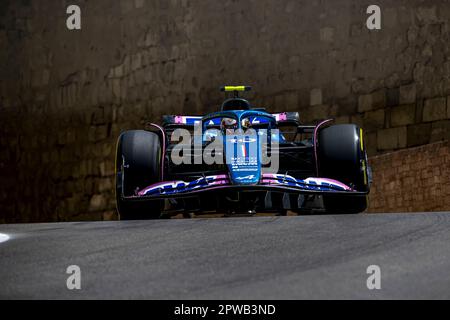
(3, 237)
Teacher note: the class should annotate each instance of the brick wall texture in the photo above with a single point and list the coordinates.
(411, 180)
(66, 95)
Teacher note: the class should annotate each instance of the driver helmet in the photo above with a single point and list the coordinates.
(228, 124)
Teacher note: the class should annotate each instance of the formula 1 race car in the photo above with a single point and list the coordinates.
(240, 160)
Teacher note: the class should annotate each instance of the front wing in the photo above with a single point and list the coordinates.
(269, 182)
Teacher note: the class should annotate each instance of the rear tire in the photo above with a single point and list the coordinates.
(342, 157)
(137, 166)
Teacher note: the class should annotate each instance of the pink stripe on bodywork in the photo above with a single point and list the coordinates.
(163, 154)
(316, 130)
(219, 180)
(280, 116)
(179, 120)
(330, 181)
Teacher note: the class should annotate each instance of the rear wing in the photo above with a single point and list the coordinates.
(288, 118)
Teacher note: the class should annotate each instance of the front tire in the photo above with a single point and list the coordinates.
(138, 165)
(342, 157)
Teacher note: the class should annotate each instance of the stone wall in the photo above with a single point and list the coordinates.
(415, 179)
(66, 95)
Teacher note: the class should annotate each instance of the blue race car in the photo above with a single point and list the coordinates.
(240, 160)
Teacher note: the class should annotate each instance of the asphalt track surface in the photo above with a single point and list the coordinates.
(305, 257)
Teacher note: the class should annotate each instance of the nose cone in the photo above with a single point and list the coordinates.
(243, 159)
